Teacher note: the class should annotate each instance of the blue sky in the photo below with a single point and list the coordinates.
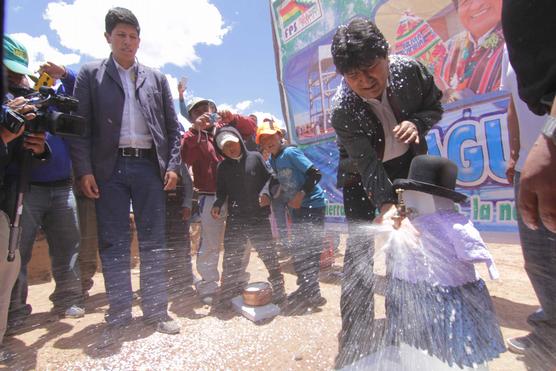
(224, 47)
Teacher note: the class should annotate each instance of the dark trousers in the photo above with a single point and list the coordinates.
(53, 209)
(180, 274)
(238, 231)
(357, 300)
(307, 242)
(357, 337)
(88, 246)
(539, 253)
(135, 180)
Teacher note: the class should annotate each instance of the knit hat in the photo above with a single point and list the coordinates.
(15, 56)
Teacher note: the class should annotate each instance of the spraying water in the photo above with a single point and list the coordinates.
(439, 315)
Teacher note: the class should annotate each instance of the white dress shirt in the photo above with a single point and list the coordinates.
(134, 131)
(392, 147)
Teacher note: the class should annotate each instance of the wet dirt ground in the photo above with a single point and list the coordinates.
(210, 342)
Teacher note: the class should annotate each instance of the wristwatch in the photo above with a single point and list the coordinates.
(549, 128)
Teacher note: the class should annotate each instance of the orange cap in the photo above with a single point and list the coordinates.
(268, 127)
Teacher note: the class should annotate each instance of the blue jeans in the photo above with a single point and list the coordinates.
(539, 253)
(307, 246)
(135, 180)
(52, 208)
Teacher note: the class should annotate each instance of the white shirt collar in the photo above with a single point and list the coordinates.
(121, 69)
(382, 100)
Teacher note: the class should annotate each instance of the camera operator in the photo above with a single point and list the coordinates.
(88, 245)
(10, 144)
(50, 204)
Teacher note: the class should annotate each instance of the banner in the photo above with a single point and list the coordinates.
(459, 41)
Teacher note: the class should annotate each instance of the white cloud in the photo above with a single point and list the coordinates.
(263, 115)
(170, 29)
(243, 105)
(240, 107)
(39, 50)
(173, 82)
(226, 107)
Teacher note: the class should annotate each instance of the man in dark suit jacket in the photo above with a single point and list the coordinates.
(130, 154)
(383, 110)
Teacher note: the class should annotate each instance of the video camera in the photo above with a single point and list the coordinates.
(54, 114)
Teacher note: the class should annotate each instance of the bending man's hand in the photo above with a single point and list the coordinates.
(387, 210)
(406, 132)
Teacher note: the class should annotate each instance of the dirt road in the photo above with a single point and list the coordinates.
(305, 342)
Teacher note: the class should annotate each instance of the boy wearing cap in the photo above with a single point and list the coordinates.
(242, 180)
(298, 179)
(198, 151)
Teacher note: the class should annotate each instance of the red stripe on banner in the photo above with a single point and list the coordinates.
(416, 28)
(285, 10)
(487, 84)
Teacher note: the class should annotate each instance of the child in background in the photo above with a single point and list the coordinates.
(298, 180)
(242, 181)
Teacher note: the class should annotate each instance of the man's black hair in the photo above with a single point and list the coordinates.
(357, 45)
(120, 15)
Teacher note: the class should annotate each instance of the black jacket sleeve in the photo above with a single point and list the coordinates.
(359, 148)
(221, 190)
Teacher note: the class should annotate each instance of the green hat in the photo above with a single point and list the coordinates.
(195, 101)
(15, 56)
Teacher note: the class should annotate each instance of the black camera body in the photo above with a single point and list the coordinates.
(54, 114)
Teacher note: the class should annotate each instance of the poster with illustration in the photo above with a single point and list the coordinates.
(460, 42)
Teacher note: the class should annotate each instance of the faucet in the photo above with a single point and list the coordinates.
(401, 211)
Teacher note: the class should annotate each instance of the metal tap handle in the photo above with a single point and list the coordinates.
(401, 211)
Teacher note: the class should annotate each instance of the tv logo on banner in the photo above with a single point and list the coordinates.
(297, 15)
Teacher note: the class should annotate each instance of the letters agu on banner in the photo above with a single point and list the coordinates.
(460, 41)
